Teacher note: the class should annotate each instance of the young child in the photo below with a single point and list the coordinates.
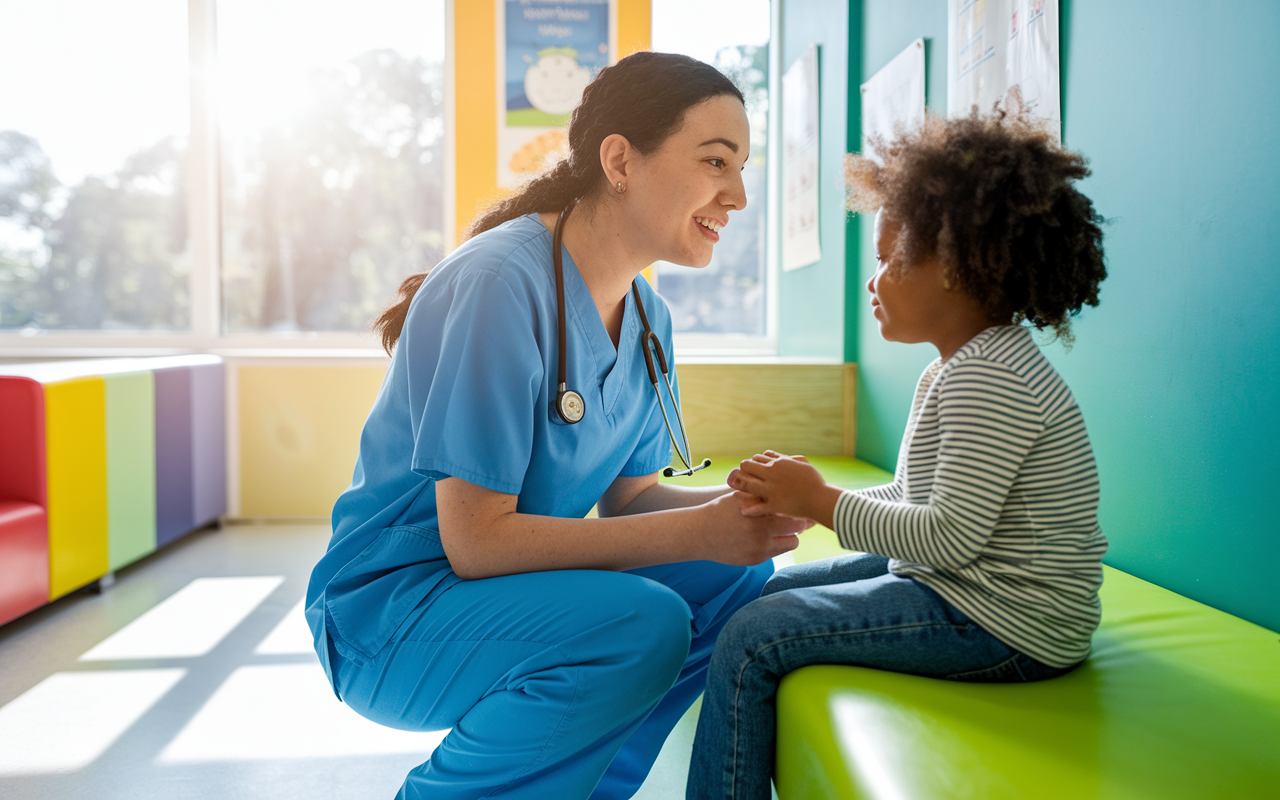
(983, 556)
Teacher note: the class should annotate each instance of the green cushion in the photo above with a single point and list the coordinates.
(1178, 700)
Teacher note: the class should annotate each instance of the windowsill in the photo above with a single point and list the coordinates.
(56, 345)
(134, 344)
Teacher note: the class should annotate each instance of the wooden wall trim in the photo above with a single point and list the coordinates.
(793, 408)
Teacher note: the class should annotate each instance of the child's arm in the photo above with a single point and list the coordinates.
(987, 423)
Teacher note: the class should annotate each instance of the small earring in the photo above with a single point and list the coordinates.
(946, 284)
(622, 187)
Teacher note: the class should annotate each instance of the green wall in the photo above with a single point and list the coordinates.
(1175, 371)
(811, 299)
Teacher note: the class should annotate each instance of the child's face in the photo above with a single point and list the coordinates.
(910, 301)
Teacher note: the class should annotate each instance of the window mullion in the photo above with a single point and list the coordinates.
(203, 210)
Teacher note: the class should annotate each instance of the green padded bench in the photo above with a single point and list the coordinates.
(1178, 700)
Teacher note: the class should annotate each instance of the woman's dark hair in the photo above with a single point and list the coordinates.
(993, 197)
(643, 98)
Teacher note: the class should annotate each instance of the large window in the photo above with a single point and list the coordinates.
(331, 123)
(727, 300)
(94, 117)
(229, 174)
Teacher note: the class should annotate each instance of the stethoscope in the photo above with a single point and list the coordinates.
(569, 404)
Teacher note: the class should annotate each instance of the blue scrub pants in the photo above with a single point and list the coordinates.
(555, 684)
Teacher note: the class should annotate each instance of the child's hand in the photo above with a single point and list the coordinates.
(787, 485)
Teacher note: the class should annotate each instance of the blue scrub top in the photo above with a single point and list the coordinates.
(469, 394)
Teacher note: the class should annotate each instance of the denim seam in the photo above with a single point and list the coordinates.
(733, 774)
(1013, 659)
(1017, 665)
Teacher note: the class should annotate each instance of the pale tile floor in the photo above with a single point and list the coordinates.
(193, 677)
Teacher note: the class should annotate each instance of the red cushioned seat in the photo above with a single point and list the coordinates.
(24, 527)
(24, 558)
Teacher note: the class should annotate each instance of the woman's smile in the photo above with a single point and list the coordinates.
(709, 227)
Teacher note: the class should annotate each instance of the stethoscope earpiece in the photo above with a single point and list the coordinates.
(672, 472)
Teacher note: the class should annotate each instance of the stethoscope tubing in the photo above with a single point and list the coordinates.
(569, 404)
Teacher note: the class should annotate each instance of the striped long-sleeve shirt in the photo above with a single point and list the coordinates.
(995, 499)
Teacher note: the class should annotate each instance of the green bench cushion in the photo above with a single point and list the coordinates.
(1178, 700)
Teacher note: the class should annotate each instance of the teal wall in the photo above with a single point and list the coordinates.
(811, 299)
(1175, 371)
(887, 373)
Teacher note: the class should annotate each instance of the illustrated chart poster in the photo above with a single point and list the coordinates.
(893, 99)
(801, 245)
(549, 52)
(996, 45)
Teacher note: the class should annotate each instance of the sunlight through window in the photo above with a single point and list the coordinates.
(332, 157)
(94, 125)
(190, 623)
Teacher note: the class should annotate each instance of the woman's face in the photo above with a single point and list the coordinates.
(681, 195)
(910, 301)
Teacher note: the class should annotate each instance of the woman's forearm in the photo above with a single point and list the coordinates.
(663, 496)
(513, 543)
(484, 536)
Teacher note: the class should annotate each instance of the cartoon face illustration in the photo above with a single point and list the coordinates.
(554, 84)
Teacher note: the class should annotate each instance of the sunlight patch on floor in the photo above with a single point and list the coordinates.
(189, 623)
(285, 711)
(70, 718)
(290, 637)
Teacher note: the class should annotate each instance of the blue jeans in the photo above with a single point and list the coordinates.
(847, 610)
(556, 684)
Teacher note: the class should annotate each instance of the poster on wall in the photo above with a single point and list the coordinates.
(893, 99)
(801, 245)
(1032, 63)
(996, 45)
(548, 51)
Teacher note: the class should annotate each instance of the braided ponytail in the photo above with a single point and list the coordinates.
(643, 98)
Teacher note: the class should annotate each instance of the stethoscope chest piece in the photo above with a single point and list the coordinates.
(569, 405)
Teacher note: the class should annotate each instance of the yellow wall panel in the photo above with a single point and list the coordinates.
(300, 434)
(76, 449)
(635, 26)
(475, 108)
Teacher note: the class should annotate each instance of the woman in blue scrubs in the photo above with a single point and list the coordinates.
(463, 588)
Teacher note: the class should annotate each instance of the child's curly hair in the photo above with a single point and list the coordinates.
(993, 197)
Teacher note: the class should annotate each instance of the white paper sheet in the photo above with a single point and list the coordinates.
(801, 245)
(998, 44)
(1032, 63)
(893, 99)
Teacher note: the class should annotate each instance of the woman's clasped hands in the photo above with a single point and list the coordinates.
(735, 536)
